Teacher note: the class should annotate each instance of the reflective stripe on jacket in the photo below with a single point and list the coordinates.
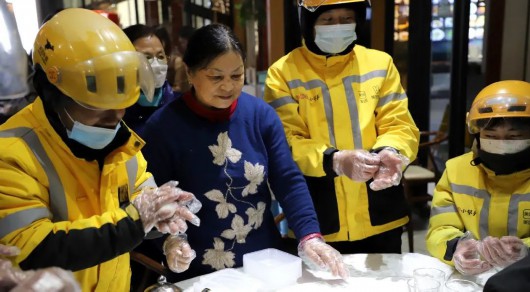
(64, 211)
(472, 198)
(353, 101)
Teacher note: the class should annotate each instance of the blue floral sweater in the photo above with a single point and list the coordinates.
(229, 166)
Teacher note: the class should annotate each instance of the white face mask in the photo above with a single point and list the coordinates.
(160, 72)
(334, 38)
(503, 146)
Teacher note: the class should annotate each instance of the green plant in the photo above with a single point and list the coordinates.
(250, 10)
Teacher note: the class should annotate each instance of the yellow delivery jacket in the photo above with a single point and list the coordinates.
(351, 101)
(64, 211)
(472, 198)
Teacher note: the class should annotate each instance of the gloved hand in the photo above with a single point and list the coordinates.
(9, 276)
(9, 251)
(390, 170)
(359, 165)
(49, 280)
(502, 252)
(175, 225)
(467, 258)
(166, 207)
(178, 252)
(320, 256)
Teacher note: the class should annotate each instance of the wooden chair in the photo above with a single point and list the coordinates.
(418, 175)
(149, 270)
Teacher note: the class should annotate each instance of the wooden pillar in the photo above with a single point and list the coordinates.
(275, 31)
(177, 8)
(493, 33)
(151, 13)
(382, 26)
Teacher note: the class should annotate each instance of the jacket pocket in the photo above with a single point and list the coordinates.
(386, 205)
(322, 191)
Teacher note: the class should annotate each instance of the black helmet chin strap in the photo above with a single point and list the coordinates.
(477, 160)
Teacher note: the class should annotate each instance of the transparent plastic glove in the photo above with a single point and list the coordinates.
(48, 280)
(390, 170)
(504, 251)
(9, 251)
(167, 202)
(175, 224)
(178, 253)
(467, 258)
(318, 255)
(9, 275)
(359, 165)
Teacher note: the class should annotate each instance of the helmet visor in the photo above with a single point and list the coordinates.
(311, 5)
(498, 106)
(111, 81)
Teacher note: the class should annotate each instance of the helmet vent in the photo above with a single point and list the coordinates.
(120, 80)
(485, 110)
(91, 83)
(517, 108)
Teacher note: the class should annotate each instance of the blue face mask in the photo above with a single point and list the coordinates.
(157, 98)
(92, 137)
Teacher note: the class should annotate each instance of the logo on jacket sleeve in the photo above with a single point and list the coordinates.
(362, 97)
(376, 90)
(123, 194)
(470, 212)
(526, 216)
(303, 96)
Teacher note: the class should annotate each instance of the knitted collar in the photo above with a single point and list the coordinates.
(213, 115)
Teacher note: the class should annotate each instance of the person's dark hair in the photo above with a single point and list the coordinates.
(139, 31)
(50, 95)
(208, 43)
(186, 32)
(163, 35)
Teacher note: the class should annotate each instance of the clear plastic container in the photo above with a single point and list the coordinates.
(275, 268)
(228, 280)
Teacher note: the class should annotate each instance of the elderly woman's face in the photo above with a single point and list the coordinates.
(220, 83)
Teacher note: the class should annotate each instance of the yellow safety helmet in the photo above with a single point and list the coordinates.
(91, 60)
(503, 99)
(313, 5)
